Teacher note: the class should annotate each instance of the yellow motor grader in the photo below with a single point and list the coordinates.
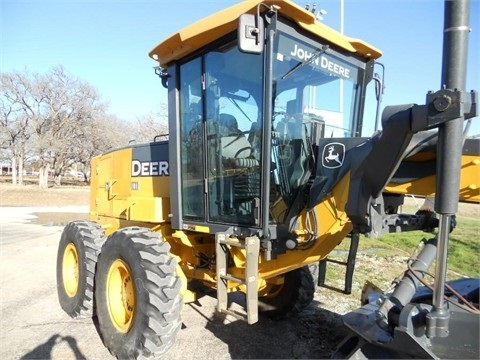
(265, 172)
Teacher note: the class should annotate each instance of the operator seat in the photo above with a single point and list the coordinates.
(240, 169)
(236, 150)
(293, 156)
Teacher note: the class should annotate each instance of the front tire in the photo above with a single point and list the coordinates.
(77, 256)
(137, 294)
(289, 298)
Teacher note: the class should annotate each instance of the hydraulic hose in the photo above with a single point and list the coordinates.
(406, 288)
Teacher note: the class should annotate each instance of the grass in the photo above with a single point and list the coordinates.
(383, 261)
(463, 246)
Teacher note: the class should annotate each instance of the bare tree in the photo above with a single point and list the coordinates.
(105, 133)
(70, 107)
(58, 120)
(16, 112)
(150, 126)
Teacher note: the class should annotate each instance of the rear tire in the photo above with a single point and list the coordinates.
(77, 256)
(137, 294)
(290, 298)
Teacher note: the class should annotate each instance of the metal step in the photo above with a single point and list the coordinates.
(223, 243)
(349, 264)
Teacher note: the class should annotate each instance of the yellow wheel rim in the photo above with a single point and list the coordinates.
(70, 270)
(120, 295)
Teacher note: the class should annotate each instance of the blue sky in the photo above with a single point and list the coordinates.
(106, 42)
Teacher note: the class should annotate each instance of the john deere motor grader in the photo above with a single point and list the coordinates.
(265, 172)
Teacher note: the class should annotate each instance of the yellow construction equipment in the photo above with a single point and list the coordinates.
(265, 172)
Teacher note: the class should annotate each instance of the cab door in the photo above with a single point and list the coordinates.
(220, 117)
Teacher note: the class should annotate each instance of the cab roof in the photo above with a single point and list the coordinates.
(207, 30)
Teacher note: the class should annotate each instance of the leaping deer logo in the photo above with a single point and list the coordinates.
(333, 155)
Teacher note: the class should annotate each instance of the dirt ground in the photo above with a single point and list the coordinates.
(32, 195)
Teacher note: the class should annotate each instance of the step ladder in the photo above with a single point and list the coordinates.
(349, 264)
(223, 242)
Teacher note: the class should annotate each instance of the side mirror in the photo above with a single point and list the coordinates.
(251, 31)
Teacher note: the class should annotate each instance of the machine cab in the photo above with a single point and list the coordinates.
(246, 122)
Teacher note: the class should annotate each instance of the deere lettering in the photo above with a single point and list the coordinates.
(149, 168)
(322, 62)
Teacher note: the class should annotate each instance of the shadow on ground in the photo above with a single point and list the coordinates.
(44, 351)
(313, 334)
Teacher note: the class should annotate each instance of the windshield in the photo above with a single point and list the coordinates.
(316, 94)
(316, 80)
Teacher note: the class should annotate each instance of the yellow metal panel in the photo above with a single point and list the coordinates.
(469, 182)
(203, 229)
(114, 193)
(120, 208)
(104, 173)
(94, 185)
(147, 186)
(333, 227)
(109, 181)
(149, 209)
(121, 168)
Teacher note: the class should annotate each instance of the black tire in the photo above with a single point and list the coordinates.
(290, 298)
(77, 256)
(137, 294)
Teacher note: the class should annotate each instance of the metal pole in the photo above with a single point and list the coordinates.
(449, 151)
(450, 134)
(342, 18)
(340, 104)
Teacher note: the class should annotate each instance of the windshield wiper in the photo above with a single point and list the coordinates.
(238, 106)
(315, 55)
